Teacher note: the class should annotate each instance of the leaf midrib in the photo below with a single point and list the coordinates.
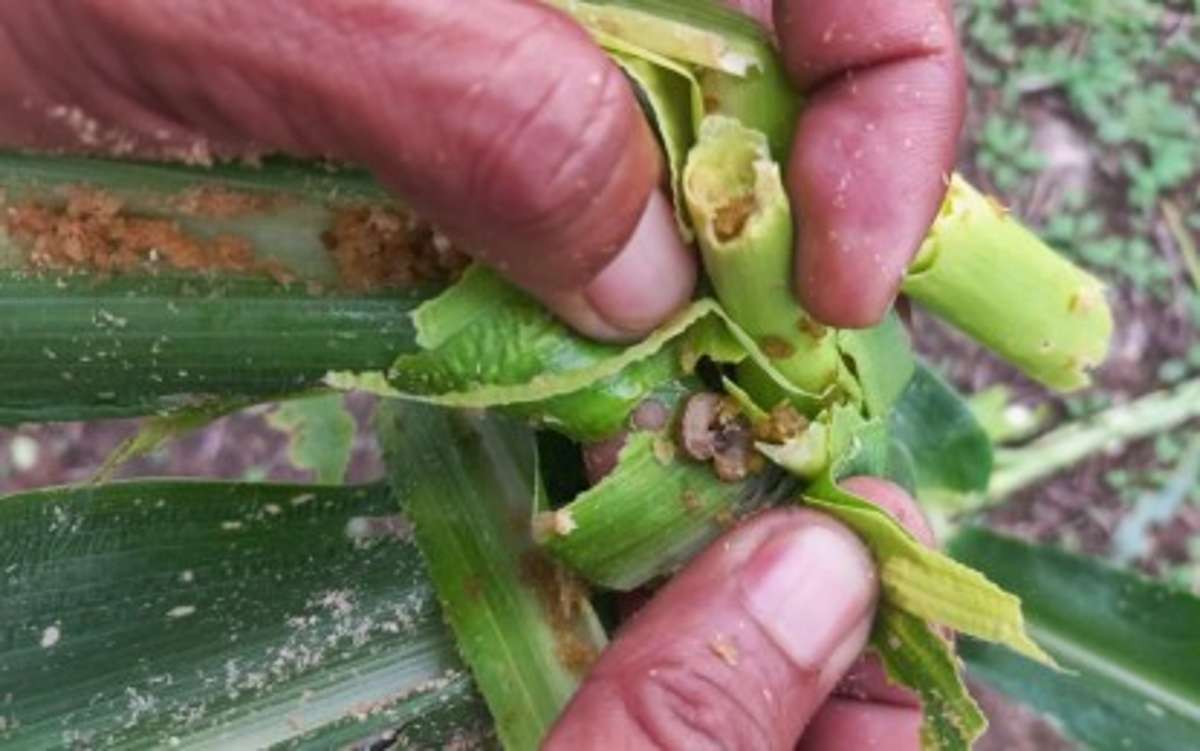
(1076, 653)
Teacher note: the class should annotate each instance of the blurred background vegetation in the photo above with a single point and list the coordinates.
(1085, 121)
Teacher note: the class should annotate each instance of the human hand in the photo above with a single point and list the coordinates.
(755, 645)
(501, 122)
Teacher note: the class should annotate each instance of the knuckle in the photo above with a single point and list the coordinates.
(684, 706)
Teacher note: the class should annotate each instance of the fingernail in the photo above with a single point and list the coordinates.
(652, 277)
(809, 589)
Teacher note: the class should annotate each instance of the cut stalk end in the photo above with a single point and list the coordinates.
(986, 274)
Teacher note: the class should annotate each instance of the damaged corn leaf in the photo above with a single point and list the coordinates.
(154, 432)
(319, 429)
(131, 288)
(695, 34)
(914, 655)
(524, 626)
(521, 622)
(674, 104)
(270, 218)
(924, 582)
(743, 222)
(133, 616)
(733, 61)
(488, 344)
(320, 433)
(805, 455)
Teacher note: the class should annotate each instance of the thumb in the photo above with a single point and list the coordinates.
(739, 650)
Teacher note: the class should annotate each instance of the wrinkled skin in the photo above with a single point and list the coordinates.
(756, 645)
(546, 171)
(500, 121)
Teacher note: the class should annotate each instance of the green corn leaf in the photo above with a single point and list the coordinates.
(914, 655)
(470, 485)
(320, 434)
(934, 426)
(78, 347)
(202, 615)
(882, 361)
(1130, 646)
(148, 185)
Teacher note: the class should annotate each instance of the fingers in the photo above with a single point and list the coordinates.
(867, 710)
(739, 650)
(652, 276)
(759, 10)
(885, 97)
(844, 725)
(499, 120)
(866, 680)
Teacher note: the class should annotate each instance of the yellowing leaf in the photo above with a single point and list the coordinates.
(926, 583)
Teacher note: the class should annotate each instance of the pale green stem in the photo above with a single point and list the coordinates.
(743, 223)
(991, 277)
(1061, 448)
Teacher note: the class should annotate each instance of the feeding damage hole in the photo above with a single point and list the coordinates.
(561, 596)
(376, 247)
(730, 218)
(782, 425)
(714, 429)
(93, 231)
(214, 202)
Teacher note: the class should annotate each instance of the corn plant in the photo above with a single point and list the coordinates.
(454, 602)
